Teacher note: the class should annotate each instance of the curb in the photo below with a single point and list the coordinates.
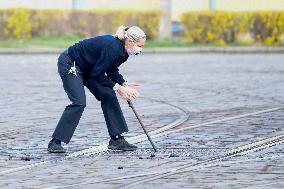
(229, 50)
(222, 50)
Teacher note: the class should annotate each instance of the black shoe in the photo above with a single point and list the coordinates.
(121, 144)
(54, 146)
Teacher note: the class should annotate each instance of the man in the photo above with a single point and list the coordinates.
(94, 63)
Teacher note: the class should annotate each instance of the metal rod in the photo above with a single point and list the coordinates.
(143, 127)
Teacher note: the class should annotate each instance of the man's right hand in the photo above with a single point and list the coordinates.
(127, 93)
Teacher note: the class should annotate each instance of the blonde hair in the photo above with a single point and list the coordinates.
(133, 33)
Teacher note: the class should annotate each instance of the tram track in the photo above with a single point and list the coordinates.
(215, 161)
(184, 168)
(139, 138)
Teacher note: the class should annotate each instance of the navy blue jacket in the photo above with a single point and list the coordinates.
(99, 58)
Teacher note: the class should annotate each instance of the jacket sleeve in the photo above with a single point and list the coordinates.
(107, 58)
(115, 76)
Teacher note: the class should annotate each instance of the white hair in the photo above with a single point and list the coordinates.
(133, 33)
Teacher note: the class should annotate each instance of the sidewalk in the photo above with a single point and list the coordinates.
(247, 50)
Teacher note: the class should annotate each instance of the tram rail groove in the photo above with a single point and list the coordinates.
(136, 139)
(156, 173)
(163, 131)
(214, 161)
(239, 151)
(140, 138)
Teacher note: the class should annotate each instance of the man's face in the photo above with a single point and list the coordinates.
(130, 45)
(134, 48)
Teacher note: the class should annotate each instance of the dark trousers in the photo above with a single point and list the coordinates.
(74, 87)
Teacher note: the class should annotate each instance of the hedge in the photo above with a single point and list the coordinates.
(227, 27)
(24, 23)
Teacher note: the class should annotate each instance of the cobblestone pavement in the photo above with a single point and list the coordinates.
(206, 87)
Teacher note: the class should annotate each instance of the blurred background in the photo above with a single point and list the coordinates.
(167, 23)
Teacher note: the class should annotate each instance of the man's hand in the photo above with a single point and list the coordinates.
(132, 89)
(133, 92)
(129, 92)
(123, 92)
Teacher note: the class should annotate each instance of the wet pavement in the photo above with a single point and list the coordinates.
(205, 88)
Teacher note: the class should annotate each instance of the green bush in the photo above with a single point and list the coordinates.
(225, 27)
(24, 23)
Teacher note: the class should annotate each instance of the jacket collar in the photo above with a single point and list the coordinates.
(123, 53)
